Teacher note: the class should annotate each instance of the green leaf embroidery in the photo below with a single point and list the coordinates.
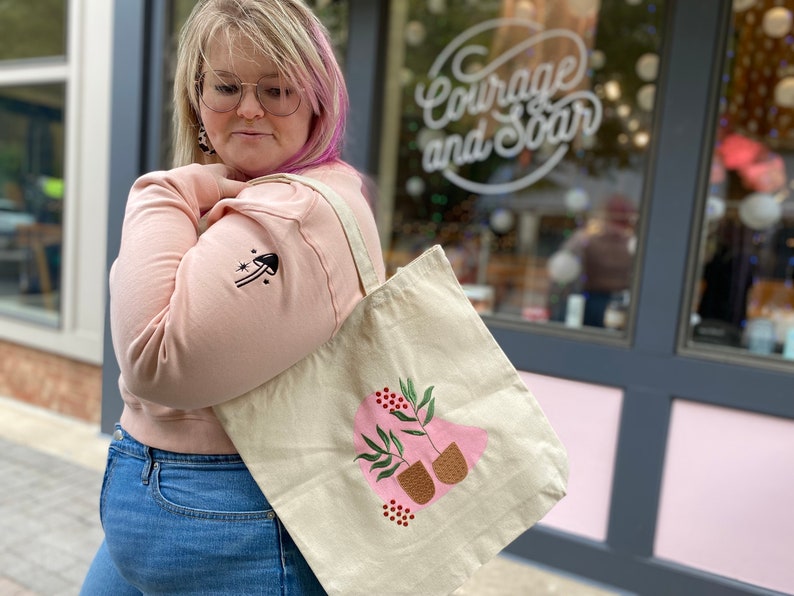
(372, 444)
(426, 398)
(368, 456)
(389, 472)
(430, 409)
(416, 433)
(407, 392)
(383, 436)
(402, 416)
(381, 464)
(383, 457)
(397, 442)
(412, 390)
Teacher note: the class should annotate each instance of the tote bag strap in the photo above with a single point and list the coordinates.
(366, 270)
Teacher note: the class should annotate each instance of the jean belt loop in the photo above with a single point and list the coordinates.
(147, 466)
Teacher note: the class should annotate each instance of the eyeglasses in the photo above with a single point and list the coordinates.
(222, 91)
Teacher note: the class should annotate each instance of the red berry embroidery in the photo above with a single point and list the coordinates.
(396, 512)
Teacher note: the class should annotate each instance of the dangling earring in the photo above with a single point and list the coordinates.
(203, 141)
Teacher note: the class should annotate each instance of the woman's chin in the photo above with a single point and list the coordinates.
(252, 168)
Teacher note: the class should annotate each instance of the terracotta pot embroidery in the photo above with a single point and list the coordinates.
(450, 467)
(412, 458)
(417, 483)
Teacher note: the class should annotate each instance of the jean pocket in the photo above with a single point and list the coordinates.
(107, 479)
(224, 492)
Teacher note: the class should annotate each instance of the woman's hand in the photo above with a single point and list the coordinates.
(230, 181)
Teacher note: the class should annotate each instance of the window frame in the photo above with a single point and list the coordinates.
(685, 345)
(85, 72)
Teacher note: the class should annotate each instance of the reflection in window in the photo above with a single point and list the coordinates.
(521, 147)
(334, 15)
(745, 298)
(31, 199)
(33, 29)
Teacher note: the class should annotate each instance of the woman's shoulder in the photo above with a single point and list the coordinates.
(356, 188)
(337, 173)
(290, 199)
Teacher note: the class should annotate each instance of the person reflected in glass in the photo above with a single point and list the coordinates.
(220, 285)
(597, 261)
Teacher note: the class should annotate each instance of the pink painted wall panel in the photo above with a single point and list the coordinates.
(727, 500)
(586, 418)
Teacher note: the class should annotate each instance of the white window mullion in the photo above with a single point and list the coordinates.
(34, 71)
(87, 156)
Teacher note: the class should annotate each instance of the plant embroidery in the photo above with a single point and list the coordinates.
(406, 432)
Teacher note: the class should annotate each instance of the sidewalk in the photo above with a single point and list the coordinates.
(49, 523)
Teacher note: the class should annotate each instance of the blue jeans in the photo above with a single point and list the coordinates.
(190, 524)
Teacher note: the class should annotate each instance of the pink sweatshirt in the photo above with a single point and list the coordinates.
(198, 319)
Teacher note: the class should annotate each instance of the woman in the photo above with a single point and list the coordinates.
(198, 318)
(602, 257)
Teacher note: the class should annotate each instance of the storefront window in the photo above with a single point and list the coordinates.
(516, 135)
(31, 163)
(33, 29)
(744, 299)
(31, 199)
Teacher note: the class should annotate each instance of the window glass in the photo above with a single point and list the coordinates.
(516, 135)
(32, 29)
(744, 299)
(332, 13)
(179, 11)
(31, 199)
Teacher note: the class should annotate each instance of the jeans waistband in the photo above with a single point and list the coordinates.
(127, 444)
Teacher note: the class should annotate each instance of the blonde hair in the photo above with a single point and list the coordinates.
(288, 34)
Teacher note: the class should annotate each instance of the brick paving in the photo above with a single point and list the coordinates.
(49, 522)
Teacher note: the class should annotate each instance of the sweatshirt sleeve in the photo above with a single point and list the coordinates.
(198, 319)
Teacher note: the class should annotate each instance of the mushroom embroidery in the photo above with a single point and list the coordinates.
(267, 263)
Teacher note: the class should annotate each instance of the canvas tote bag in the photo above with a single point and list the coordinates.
(406, 451)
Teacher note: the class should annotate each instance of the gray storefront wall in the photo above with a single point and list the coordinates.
(652, 371)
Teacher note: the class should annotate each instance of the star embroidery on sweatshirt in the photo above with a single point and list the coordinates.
(264, 264)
